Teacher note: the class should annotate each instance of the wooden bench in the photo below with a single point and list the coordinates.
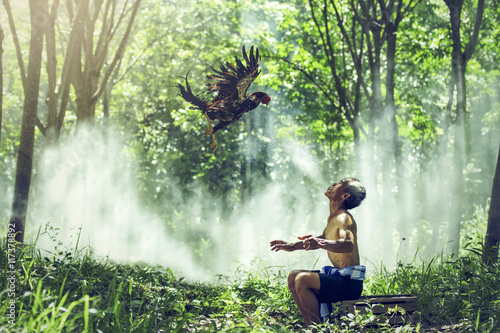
(398, 309)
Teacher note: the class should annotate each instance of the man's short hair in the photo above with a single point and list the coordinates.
(357, 193)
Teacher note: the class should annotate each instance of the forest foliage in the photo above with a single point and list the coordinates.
(327, 68)
(358, 88)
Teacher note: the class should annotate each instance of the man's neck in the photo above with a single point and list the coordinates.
(336, 207)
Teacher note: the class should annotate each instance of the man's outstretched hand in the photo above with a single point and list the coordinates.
(309, 242)
(277, 245)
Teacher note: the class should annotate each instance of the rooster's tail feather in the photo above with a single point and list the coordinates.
(187, 94)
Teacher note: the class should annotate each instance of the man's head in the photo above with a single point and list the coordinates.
(349, 190)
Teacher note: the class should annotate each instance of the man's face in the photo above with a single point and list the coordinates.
(336, 188)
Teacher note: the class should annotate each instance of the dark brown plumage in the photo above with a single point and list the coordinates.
(230, 84)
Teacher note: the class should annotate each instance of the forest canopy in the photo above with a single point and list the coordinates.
(402, 95)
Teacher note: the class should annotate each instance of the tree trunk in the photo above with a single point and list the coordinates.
(27, 139)
(87, 81)
(460, 126)
(1, 83)
(492, 239)
(457, 83)
(52, 128)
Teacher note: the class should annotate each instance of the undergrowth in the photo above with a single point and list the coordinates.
(457, 294)
(73, 291)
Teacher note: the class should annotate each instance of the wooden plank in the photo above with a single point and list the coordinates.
(382, 308)
(383, 299)
(381, 303)
(394, 319)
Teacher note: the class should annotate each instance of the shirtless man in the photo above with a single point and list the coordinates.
(344, 280)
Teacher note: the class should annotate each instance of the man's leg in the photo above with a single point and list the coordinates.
(291, 286)
(304, 286)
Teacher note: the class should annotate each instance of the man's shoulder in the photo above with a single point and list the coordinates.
(345, 219)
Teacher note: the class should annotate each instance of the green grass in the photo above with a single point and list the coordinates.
(460, 293)
(73, 291)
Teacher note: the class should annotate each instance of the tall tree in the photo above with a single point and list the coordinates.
(457, 118)
(31, 85)
(84, 60)
(1, 82)
(87, 64)
(492, 239)
(89, 86)
(369, 30)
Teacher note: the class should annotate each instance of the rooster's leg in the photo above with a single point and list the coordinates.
(210, 128)
(211, 132)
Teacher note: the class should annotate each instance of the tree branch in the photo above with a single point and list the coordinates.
(119, 52)
(40, 126)
(471, 46)
(52, 94)
(356, 60)
(6, 4)
(320, 85)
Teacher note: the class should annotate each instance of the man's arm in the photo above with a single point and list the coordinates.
(278, 245)
(303, 244)
(309, 242)
(341, 235)
(343, 245)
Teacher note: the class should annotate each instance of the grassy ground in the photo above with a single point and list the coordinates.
(76, 292)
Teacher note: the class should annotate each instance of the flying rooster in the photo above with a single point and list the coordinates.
(230, 84)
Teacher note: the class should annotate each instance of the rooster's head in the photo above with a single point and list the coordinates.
(260, 97)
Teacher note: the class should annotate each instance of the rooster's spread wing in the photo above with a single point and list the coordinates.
(231, 82)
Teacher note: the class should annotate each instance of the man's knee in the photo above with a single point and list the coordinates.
(306, 280)
(291, 280)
